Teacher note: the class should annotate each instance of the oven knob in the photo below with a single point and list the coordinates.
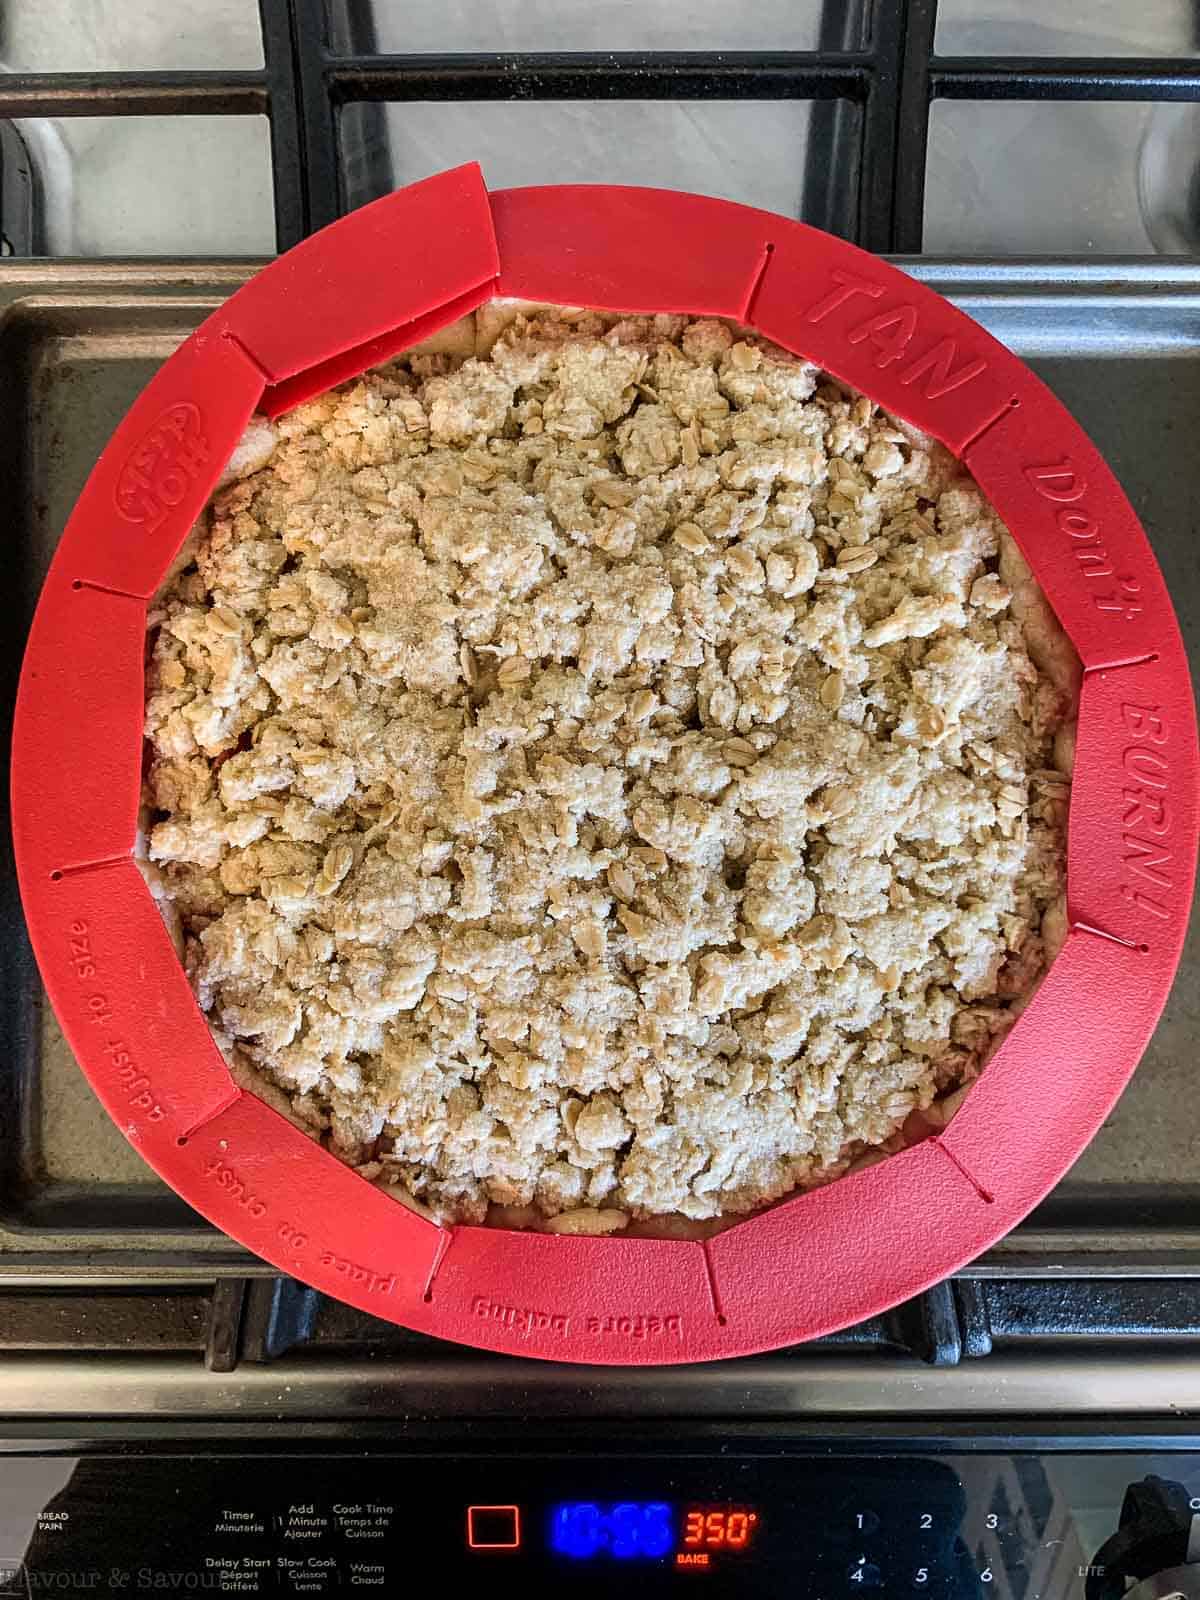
(1155, 1553)
(1180, 1583)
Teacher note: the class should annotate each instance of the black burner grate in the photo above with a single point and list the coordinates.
(241, 1322)
(877, 63)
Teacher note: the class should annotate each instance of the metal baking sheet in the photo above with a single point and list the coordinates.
(1119, 343)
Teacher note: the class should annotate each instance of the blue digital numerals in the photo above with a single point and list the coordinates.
(629, 1529)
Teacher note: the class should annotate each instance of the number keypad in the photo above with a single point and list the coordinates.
(903, 1534)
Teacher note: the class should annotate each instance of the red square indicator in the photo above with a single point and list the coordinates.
(494, 1527)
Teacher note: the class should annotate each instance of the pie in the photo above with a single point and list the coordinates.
(604, 773)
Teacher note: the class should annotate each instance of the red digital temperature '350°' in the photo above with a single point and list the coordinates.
(718, 1530)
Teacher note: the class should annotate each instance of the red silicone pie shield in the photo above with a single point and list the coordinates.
(358, 292)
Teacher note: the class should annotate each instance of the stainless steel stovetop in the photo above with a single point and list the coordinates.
(1116, 1248)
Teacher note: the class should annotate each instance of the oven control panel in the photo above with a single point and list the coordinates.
(988, 1526)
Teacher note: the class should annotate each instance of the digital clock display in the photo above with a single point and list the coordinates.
(630, 1528)
(647, 1529)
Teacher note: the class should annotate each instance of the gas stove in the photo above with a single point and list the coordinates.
(245, 1434)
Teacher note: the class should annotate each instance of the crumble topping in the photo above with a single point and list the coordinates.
(619, 774)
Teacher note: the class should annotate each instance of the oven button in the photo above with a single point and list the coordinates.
(865, 1522)
(865, 1574)
(493, 1527)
